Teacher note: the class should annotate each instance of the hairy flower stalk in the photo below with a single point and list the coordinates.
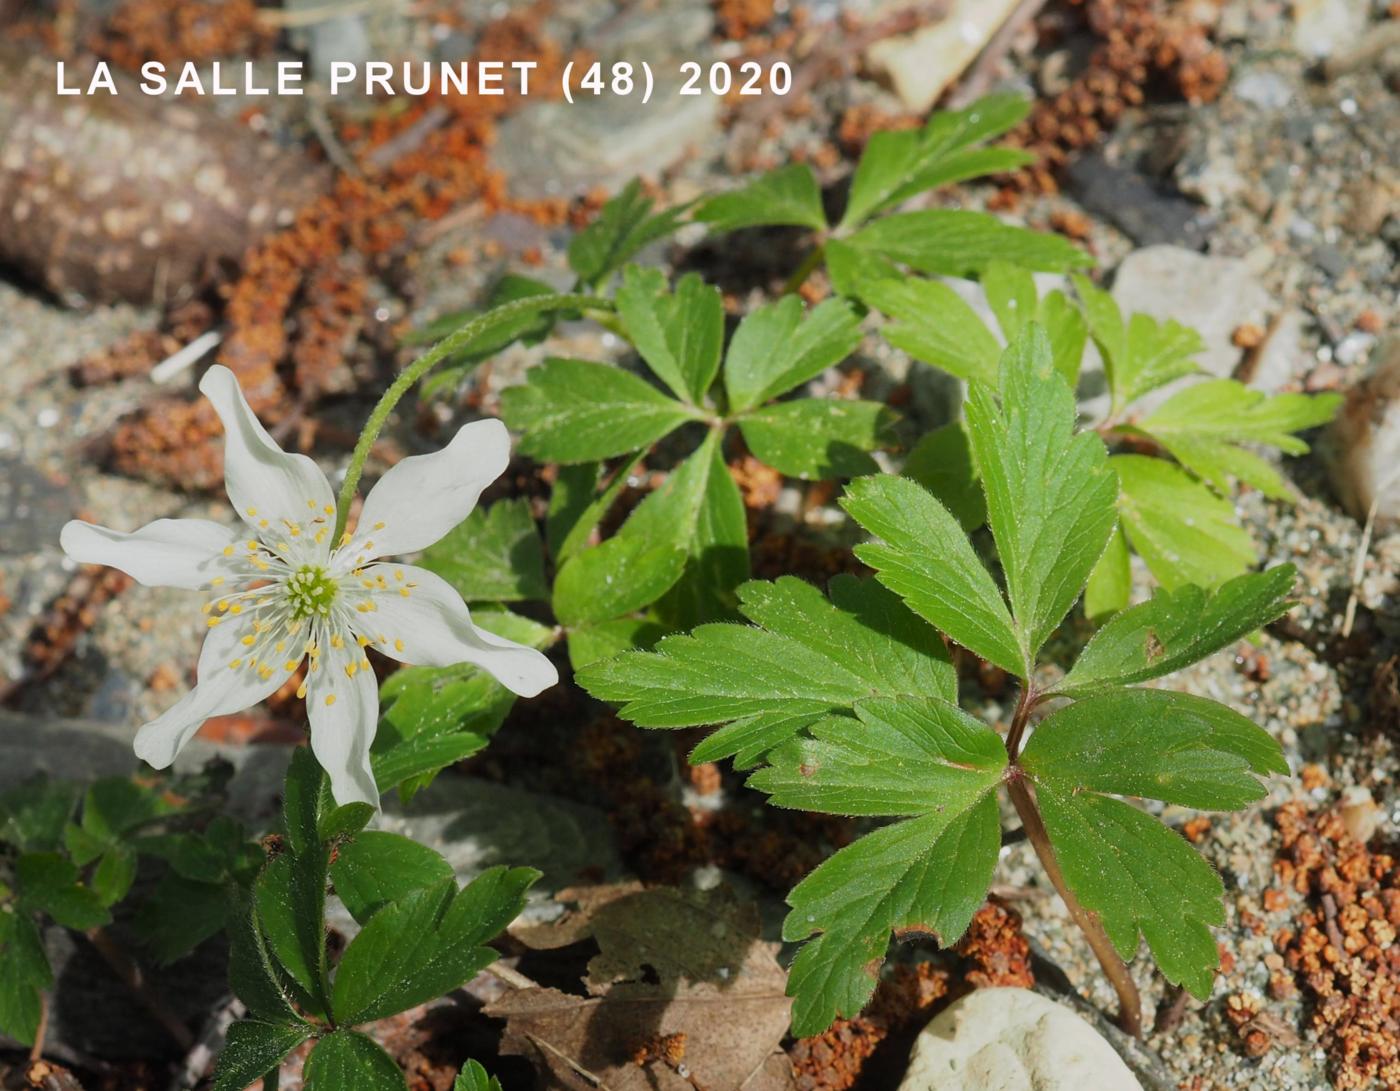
(282, 588)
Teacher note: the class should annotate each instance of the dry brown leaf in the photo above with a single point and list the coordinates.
(669, 962)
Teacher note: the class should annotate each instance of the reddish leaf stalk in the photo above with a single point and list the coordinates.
(1018, 787)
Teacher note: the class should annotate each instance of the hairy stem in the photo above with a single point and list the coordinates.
(36, 1051)
(453, 342)
(1129, 1003)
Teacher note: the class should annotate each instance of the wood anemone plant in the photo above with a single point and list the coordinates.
(847, 704)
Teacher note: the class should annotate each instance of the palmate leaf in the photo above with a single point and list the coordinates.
(253, 1049)
(24, 974)
(1050, 493)
(1110, 584)
(805, 657)
(475, 1078)
(775, 348)
(924, 557)
(958, 243)
(1012, 295)
(493, 555)
(1155, 744)
(617, 577)
(786, 197)
(1203, 425)
(819, 438)
(425, 944)
(577, 411)
(377, 867)
(350, 1061)
(934, 324)
(1183, 531)
(921, 758)
(942, 463)
(1177, 628)
(1141, 354)
(1121, 863)
(625, 225)
(679, 335)
(898, 165)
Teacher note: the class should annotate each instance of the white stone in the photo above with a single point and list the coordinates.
(1013, 1040)
(918, 66)
(1213, 295)
(1363, 445)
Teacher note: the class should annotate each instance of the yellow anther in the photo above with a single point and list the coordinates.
(234, 664)
(321, 535)
(301, 690)
(281, 646)
(248, 640)
(336, 641)
(398, 573)
(330, 698)
(369, 583)
(404, 592)
(214, 621)
(364, 663)
(265, 673)
(289, 665)
(350, 670)
(329, 509)
(344, 538)
(228, 551)
(311, 504)
(398, 645)
(206, 608)
(311, 648)
(252, 512)
(252, 545)
(235, 609)
(378, 526)
(217, 581)
(363, 641)
(263, 524)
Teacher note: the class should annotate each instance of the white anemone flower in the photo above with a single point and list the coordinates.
(279, 590)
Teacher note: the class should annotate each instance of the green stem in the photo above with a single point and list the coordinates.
(807, 268)
(449, 345)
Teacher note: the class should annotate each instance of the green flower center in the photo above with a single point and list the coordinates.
(310, 592)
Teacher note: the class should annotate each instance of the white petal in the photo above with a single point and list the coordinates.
(220, 690)
(432, 627)
(344, 712)
(259, 476)
(422, 497)
(185, 553)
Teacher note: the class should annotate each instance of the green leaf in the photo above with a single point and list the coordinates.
(24, 974)
(569, 533)
(349, 1061)
(934, 324)
(788, 196)
(114, 806)
(1137, 875)
(576, 411)
(625, 225)
(252, 975)
(898, 165)
(924, 557)
(1203, 425)
(114, 874)
(1183, 531)
(819, 438)
(423, 755)
(775, 348)
(426, 944)
(806, 657)
(679, 335)
(605, 639)
(698, 509)
(254, 1049)
(475, 1078)
(1142, 354)
(1050, 493)
(290, 896)
(958, 243)
(33, 814)
(942, 463)
(179, 915)
(1110, 584)
(1012, 295)
(345, 821)
(1177, 628)
(49, 884)
(853, 270)
(378, 867)
(301, 801)
(903, 757)
(494, 554)
(618, 577)
(1155, 744)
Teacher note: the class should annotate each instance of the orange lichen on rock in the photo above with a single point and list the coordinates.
(1341, 947)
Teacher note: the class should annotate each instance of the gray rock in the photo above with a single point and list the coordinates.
(1144, 212)
(1214, 295)
(562, 150)
(1362, 448)
(1013, 1040)
(33, 507)
(1324, 27)
(1266, 90)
